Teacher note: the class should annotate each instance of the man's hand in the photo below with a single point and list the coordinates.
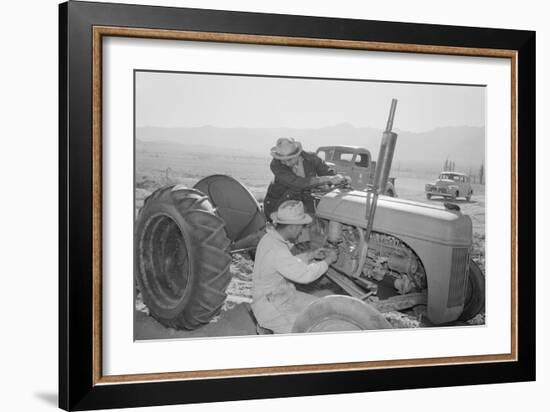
(330, 256)
(333, 180)
(326, 254)
(325, 179)
(319, 254)
(337, 179)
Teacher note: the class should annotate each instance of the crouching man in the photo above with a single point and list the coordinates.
(275, 301)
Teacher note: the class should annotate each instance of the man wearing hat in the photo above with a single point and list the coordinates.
(295, 173)
(275, 301)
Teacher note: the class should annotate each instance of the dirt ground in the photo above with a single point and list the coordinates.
(235, 318)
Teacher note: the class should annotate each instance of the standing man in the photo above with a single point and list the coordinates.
(275, 301)
(295, 173)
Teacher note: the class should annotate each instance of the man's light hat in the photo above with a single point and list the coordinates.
(291, 212)
(286, 148)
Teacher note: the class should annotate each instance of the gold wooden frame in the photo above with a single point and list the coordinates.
(101, 31)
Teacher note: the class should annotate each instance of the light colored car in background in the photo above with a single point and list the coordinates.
(450, 185)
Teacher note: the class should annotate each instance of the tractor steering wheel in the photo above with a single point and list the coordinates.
(329, 187)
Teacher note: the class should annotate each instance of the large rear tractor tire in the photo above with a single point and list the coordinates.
(182, 259)
(474, 301)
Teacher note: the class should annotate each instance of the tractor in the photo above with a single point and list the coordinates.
(401, 252)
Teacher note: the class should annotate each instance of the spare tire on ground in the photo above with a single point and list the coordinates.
(182, 259)
(339, 313)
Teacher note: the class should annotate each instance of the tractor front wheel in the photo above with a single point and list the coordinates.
(474, 301)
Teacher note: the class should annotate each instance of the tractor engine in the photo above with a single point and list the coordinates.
(389, 260)
(414, 247)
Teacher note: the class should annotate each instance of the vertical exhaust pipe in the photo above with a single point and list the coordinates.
(385, 155)
(382, 173)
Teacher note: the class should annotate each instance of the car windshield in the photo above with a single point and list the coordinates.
(449, 176)
(344, 156)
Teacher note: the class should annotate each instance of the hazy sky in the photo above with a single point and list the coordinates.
(194, 100)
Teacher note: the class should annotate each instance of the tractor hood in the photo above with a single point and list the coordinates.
(399, 217)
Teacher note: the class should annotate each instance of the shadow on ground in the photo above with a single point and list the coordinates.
(49, 398)
(236, 321)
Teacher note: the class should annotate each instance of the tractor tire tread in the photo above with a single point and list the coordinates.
(209, 246)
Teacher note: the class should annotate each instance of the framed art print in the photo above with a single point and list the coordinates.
(256, 205)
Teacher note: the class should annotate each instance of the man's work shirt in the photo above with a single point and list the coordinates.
(298, 168)
(275, 300)
(295, 183)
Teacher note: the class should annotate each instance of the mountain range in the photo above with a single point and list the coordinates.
(465, 145)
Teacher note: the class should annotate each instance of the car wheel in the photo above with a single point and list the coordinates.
(428, 196)
(469, 197)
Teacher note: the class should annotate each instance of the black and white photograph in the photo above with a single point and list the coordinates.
(280, 205)
(258, 205)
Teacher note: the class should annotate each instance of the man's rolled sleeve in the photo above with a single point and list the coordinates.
(322, 169)
(286, 177)
(296, 270)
